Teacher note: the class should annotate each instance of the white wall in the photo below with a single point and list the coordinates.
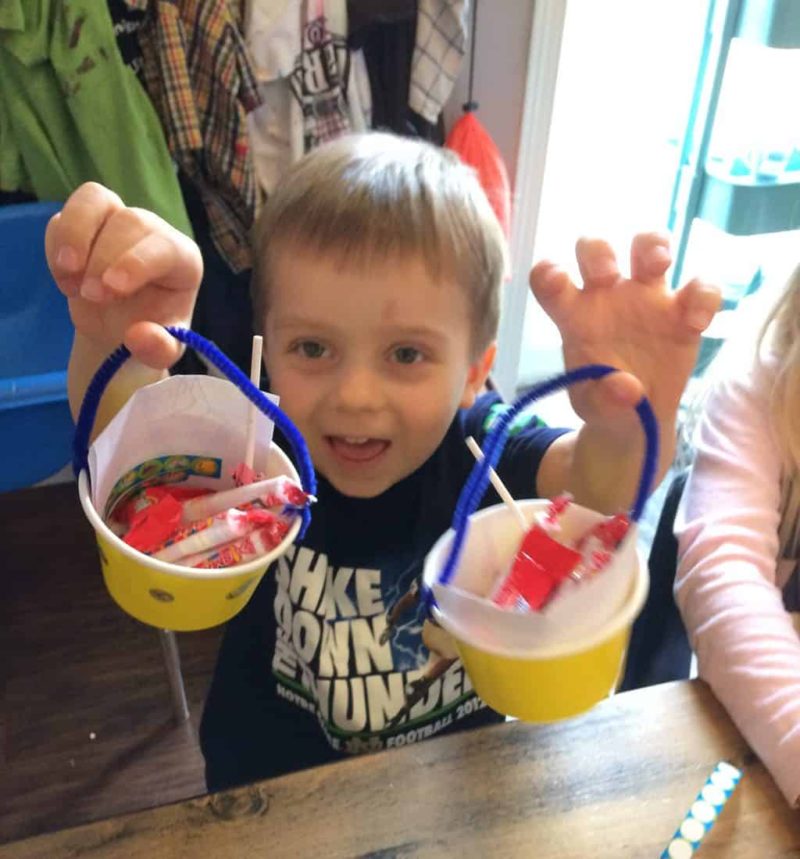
(501, 59)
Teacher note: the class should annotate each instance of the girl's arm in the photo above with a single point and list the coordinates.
(726, 586)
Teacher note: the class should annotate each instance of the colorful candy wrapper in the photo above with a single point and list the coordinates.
(157, 514)
(244, 474)
(597, 546)
(147, 519)
(275, 492)
(539, 567)
(222, 529)
(543, 562)
(128, 512)
(259, 542)
(154, 524)
(551, 519)
(182, 533)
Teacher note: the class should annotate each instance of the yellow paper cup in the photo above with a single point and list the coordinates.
(557, 663)
(188, 431)
(170, 596)
(536, 667)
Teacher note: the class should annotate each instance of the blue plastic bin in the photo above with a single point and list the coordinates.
(35, 338)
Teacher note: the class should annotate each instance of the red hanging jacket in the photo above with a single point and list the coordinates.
(471, 141)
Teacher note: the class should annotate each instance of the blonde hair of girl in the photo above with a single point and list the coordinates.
(777, 338)
(780, 334)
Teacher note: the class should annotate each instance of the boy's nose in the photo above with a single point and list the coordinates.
(359, 389)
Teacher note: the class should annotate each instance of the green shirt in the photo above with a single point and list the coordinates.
(71, 111)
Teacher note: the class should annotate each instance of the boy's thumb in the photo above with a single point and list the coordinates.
(152, 345)
(623, 389)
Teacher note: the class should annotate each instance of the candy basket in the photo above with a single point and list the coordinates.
(188, 430)
(539, 667)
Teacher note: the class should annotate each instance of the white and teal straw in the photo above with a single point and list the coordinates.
(704, 812)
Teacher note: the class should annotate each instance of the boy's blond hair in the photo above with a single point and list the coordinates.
(378, 196)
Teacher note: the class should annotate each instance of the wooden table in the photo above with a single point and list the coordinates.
(85, 725)
(613, 784)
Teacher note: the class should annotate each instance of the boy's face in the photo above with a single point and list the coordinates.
(371, 362)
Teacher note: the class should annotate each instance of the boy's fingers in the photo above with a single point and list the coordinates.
(63, 273)
(165, 257)
(122, 229)
(597, 262)
(698, 302)
(650, 257)
(70, 235)
(152, 346)
(551, 287)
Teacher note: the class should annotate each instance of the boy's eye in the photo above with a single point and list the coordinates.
(407, 355)
(309, 349)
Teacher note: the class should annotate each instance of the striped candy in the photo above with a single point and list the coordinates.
(704, 811)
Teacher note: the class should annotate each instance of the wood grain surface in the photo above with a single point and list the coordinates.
(86, 726)
(614, 784)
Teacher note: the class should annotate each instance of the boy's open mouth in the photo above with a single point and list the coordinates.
(355, 449)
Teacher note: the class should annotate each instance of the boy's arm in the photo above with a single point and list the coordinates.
(126, 273)
(638, 325)
(600, 471)
(84, 360)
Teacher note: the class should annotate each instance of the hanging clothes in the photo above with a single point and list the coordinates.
(223, 311)
(385, 30)
(127, 20)
(313, 88)
(70, 111)
(438, 54)
(474, 145)
(198, 74)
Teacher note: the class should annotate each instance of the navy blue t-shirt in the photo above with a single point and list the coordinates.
(334, 655)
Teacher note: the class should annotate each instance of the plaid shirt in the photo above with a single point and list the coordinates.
(198, 75)
(438, 52)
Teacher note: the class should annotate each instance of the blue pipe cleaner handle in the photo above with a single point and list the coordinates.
(495, 441)
(106, 371)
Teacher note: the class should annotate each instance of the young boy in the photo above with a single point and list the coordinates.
(377, 289)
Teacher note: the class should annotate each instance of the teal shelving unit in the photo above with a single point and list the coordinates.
(747, 207)
(737, 201)
(774, 23)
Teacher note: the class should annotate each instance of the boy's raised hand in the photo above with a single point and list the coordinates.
(125, 271)
(634, 323)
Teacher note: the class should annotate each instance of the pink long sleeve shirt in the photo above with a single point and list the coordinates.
(731, 585)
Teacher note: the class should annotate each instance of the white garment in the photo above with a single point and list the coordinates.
(729, 580)
(312, 87)
(273, 36)
(438, 52)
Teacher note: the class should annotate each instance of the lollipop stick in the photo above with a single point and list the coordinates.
(499, 485)
(255, 378)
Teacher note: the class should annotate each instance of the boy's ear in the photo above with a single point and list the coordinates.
(476, 375)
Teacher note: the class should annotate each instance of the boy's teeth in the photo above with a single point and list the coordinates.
(351, 440)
